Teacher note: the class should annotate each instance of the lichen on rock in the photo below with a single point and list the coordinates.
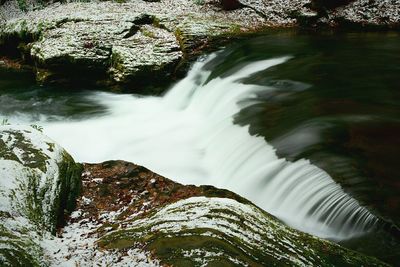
(17, 245)
(150, 51)
(39, 179)
(129, 214)
(133, 42)
(200, 231)
(39, 182)
(372, 13)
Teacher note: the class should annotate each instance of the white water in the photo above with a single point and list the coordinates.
(188, 135)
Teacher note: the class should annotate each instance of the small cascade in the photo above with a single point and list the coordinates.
(188, 135)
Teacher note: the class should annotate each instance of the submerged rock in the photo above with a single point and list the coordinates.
(134, 216)
(39, 182)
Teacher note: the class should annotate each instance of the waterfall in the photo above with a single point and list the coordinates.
(188, 135)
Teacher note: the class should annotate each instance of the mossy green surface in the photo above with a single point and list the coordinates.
(17, 248)
(32, 157)
(217, 231)
(39, 184)
(48, 186)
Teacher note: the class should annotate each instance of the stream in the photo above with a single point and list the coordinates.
(306, 126)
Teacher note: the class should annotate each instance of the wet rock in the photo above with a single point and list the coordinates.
(11, 64)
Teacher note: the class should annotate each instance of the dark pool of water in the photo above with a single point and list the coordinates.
(21, 97)
(336, 103)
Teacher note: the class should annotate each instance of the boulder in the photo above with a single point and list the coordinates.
(19, 243)
(367, 13)
(39, 183)
(128, 214)
(122, 43)
(39, 179)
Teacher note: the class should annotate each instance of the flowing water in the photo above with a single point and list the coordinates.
(250, 118)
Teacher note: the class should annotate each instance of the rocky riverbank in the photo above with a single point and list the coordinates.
(127, 215)
(137, 43)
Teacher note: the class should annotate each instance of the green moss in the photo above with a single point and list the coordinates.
(221, 248)
(27, 199)
(238, 237)
(36, 197)
(31, 157)
(147, 33)
(23, 29)
(18, 250)
(6, 153)
(70, 185)
(22, 5)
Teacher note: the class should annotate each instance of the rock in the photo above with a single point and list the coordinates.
(18, 246)
(151, 51)
(223, 231)
(276, 11)
(11, 64)
(127, 43)
(371, 13)
(39, 179)
(196, 33)
(39, 182)
(132, 215)
(137, 43)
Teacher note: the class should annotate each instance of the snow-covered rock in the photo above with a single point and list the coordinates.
(38, 178)
(133, 42)
(130, 216)
(201, 231)
(39, 182)
(378, 13)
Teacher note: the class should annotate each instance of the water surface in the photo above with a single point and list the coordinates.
(329, 98)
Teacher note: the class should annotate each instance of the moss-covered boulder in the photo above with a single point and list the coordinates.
(38, 178)
(128, 211)
(39, 183)
(202, 231)
(18, 243)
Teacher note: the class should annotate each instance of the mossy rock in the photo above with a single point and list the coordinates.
(39, 180)
(17, 247)
(203, 231)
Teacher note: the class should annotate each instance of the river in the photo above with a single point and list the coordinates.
(305, 125)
